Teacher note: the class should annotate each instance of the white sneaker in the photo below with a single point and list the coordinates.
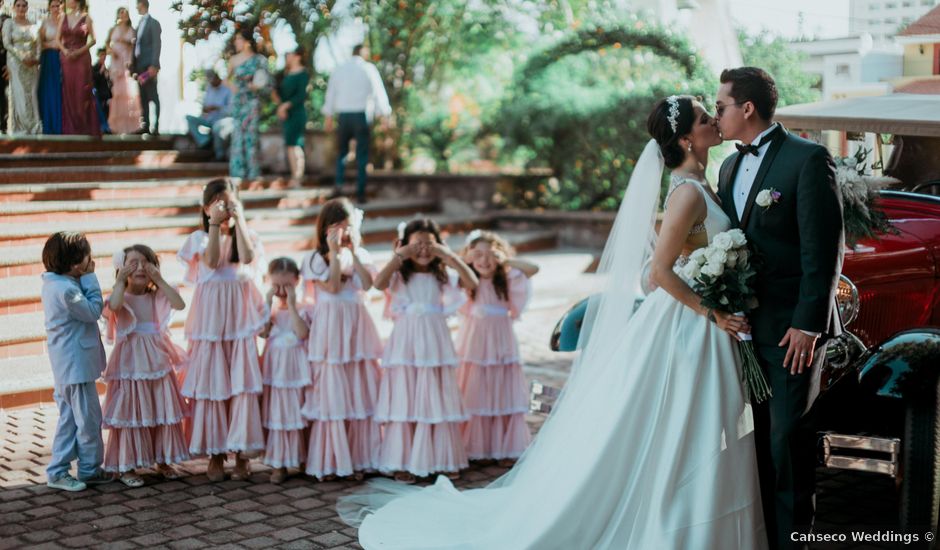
(67, 483)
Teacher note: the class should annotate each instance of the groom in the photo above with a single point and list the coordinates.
(781, 191)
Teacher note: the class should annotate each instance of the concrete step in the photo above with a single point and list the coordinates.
(150, 158)
(24, 334)
(108, 226)
(137, 189)
(80, 144)
(27, 379)
(27, 259)
(63, 174)
(61, 211)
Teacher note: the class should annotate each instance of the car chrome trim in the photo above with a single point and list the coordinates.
(837, 447)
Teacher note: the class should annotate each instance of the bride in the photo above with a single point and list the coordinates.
(651, 443)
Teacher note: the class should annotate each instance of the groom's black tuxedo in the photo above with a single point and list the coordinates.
(798, 241)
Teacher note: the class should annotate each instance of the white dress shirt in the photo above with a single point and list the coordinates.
(140, 32)
(356, 87)
(747, 172)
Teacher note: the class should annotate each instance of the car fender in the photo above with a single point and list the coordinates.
(904, 365)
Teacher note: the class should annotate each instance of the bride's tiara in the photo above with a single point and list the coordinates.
(673, 116)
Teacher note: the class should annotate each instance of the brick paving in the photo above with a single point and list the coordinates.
(300, 513)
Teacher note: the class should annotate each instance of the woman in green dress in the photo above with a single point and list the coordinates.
(292, 94)
(248, 79)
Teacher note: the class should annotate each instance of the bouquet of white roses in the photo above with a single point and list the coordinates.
(722, 274)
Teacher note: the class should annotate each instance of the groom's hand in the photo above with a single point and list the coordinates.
(800, 348)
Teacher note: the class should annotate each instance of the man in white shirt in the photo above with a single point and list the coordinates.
(355, 94)
(781, 191)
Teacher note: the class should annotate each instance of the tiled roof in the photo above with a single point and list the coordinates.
(928, 24)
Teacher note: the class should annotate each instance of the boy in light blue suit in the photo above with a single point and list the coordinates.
(71, 300)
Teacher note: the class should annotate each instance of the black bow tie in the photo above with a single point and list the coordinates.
(752, 149)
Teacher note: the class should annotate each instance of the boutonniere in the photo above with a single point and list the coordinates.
(768, 198)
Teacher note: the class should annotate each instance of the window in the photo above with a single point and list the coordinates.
(890, 21)
(875, 5)
(890, 5)
(905, 4)
(842, 69)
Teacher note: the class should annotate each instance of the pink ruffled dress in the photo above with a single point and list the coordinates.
(286, 375)
(344, 350)
(492, 383)
(223, 380)
(143, 408)
(419, 404)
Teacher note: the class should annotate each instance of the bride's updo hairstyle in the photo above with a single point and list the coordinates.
(671, 119)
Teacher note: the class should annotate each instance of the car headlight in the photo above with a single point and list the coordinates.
(847, 298)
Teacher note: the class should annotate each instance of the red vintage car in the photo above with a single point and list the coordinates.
(879, 407)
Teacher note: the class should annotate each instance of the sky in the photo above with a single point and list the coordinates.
(821, 18)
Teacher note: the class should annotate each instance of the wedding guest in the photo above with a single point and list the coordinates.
(248, 78)
(223, 380)
(143, 407)
(292, 95)
(419, 404)
(4, 75)
(71, 301)
(50, 71)
(76, 38)
(354, 94)
(101, 84)
(124, 117)
(21, 42)
(146, 66)
(213, 126)
(284, 370)
(344, 347)
(492, 383)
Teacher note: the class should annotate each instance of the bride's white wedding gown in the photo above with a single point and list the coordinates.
(653, 450)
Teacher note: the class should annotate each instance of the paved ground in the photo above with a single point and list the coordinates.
(193, 513)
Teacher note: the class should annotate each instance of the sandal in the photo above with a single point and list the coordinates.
(242, 470)
(132, 479)
(216, 469)
(506, 463)
(405, 477)
(168, 471)
(278, 476)
(453, 476)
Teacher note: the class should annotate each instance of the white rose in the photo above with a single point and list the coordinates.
(732, 259)
(737, 236)
(717, 256)
(692, 270)
(697, 256)
(723, 241)
(764, 198)
(713, 270)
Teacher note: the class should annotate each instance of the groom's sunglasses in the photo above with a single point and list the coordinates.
(720, 109)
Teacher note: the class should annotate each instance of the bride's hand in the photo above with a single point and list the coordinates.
(732, 324)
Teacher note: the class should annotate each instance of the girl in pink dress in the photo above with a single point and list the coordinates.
(419, 400)
(344, 348)
(285, 371)
(491, 379)
(223, 380)
(143, 407)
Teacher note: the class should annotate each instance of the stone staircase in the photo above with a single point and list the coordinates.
(122, 191)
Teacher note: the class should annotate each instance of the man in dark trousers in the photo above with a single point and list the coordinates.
(781, 191)
(147, 65)
(101, 78)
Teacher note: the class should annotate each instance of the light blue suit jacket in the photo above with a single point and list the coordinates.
(73, 307)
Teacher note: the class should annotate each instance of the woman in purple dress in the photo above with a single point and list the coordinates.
(76, 38)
